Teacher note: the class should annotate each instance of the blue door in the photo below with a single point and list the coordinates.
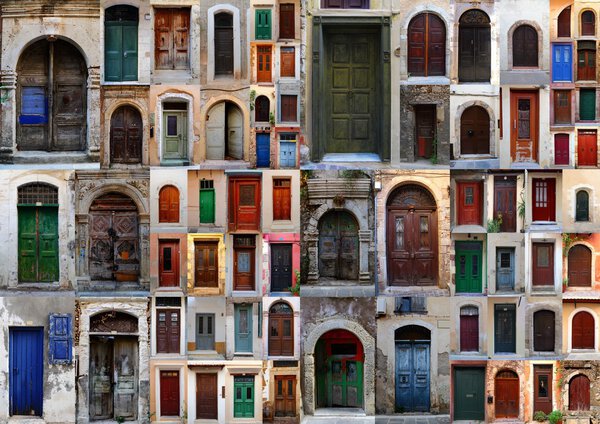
(243, 328)
(26, 370)
(412, 376)
(287, 154)
(562, 62)
(263, 150)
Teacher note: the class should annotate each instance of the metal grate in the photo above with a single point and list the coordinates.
(37, 193)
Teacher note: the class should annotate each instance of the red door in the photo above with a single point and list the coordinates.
(263, 63)
(544, 199)
(561, 149)
(580, 266)
(469, 329)
(582, 329)
(543, 264)
(524, 125)
(168, 263)
(168, 204)
(167, 330)
(206, 396)
(505, 202)
(169, 393)
(587, 148)
(579, 393)
(507, 395)
(244, 203)
(469, 203)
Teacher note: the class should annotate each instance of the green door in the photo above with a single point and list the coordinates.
(262, 28)
(469, 393)
(345, 382)
(120, 51)
(243, 400)
(207, 205)
(175, 135)
(38, 243)
(587, 104)
(468, 266)
(351, 92)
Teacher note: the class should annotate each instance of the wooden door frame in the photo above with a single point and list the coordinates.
(177, 267)
(535, 122)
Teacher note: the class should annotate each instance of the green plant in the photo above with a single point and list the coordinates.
(434, 148)
(252, 98)
(351, 174)
(120, 419)
(555, 416)
(566, 282)
(568, 240)
(295, 289)
(271, 118)
(493, 225)
(521, 206)
(539, 416)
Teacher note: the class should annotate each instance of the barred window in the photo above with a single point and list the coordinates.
(34, 193)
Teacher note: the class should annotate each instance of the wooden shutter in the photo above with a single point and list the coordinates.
(206, 264)
(167, 330)
(168, 199)
(289, 105)
(282, 199)
(562, 106)
(564, 23)
(224, 43)
(588, 23)
(582, 206)
(171, 38)
(287, 62)
(263, 63)
(263, 24)
(60, 339)
(583, 331)
(469, 329)
(525, 46)
(287, 23)
(579, 393)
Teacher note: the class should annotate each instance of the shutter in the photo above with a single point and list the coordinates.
(288, 62)
(113, 52)
(286, 21)
(207, 206)
(60, 342)
(588, 23)
(263, 24)
(288, 108)
(564, 23)
(28, 244)
(130, 52)
(281, 200)
(582, 329)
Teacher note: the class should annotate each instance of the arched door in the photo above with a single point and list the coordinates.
(411, 237)
(426, 46)
(582, 331)
(525, 47)
(580, 266)
(224, 132)
(474, 47)
(412, 368)
(281, 330)
(543, 331)
(579, 393)
(475, 131)
(582, 206)
(507, 394)
(338, 246)
(168, 204)
(126, 135)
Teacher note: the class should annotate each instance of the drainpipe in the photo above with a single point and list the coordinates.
(376, 262)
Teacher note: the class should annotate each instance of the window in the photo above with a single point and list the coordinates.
(262, 29)
(207, 201)
(168, 201)
(38, 233)
(525, 46)
(171, 38)
(287, 22)
(345, 4)
(261, 109)
(579, 393)
(407, 305)
(120, 43)
(564, 23)
(244, 203)
(586, 61)
(167, 330)
(587, 104)
(287, 62)
(562, 107)
(206, 260)
(469, 329)
(474, 47)
(224, 43)
(426, 45)
(583, 331)
(263, 63)
(588, 23)
(281, 330)
(287, 150)
(282, 202)
(289, 106)
(243, 397)
(60, 339)
(582, 206)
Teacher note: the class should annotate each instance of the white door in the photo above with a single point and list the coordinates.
(235, 133)
(215, 132)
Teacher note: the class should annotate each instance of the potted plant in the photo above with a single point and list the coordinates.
(295, 289)
(555, 417)
(540, 416)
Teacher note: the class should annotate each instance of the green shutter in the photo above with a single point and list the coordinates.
(587, 104)
(130, 51)
(27, 244)
(113, 52)
(207, 205)
(263, 24)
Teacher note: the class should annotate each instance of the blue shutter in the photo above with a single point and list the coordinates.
(60, 339)
(562, 62)
(34, 108)
(287, 154)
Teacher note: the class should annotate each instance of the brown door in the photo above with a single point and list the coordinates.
(338, 246)
(562, 107)
(507, 394)
(263, 63)
(543, 331)
(126, 136)
(207, 264)
(579, 393)
(587, 148)
(505, 202)
(281, 330)
(287, 22)
(425, 128)
(543, 264)
(580, 266)
(586, 65)
(243, 262)
(475, 131)
(244, 204)
(206, 396)
(426, 46)
(287, 62)
(168, 263)
(524, 125)
(169, 393)
(223, 44)
(285, 396)
(168, 204)
(469, 202)
(167, 330)
(544, 201)
(542, 385)
(583, 329)
(282, 197)
(171, 38)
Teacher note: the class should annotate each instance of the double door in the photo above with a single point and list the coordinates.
(587, 148)
(468, 267)
(345, 377)
(412, 376)
(338, 246)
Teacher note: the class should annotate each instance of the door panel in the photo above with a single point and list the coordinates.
(287, 21)
(169, 393)
(543, 264)
(126, 378)
(475, 131)
(205, 331)
(580, 266)
(243, 397)
(206, 396)
(285, 396)
(206, 261)
(468, 267)
(562, 107)
(505, 269)
(168, 204)
(524, 128)
(587, 104)
(338, 246)
(224, 44)
(469, 394)
(474, 53)
(171, 29)
(175, 135)
(26, 370)
(586, 65)
(561, 149)
(287, 154)
(469, 203)
(244, 204)
(504, 328)
(281, 267)
(507, 395)
(38, 244)
(126, 136)
(562, 55)
(583, 329)
(543, 331)
(505, 202)
(544, 201)
(412, 376)
(542, 388)
(587, 148)
(243, 328)
(263, 150)
(235, 133)
(426, 46)
(168, 263)
(243, 278)
(167, 330)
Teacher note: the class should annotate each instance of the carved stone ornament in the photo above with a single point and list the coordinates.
(113, 321)
(411, 196)
(140, 185)
(474, 17)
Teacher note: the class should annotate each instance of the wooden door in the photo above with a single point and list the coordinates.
(426, 46)
(263, 150)
(206, 397)
(120, 43)
(469, 202)
(244, 203)
(345, 377)
(338, 246)
(475, 131)
(167, 330)
(586, 65)
(580, 266)
(543, 331)
(281, 330)
(542, 388)
(587, 148)
(38, 244)
(263, 63)
(425, 126)
(583, 331)
(126, 136)
(525, 47)
(171, 38)
(287, 21)
(206, 264)
(288, 108)
(174, 134)
(564, 23)
(579, 393)
(562, 63)
(126, 375)
(505, 202)
(287, 154)
(562, 107)
(542, 273)
(168, 263)
(207, 201)
(26, 370)
(169, 393)
(588, 23)
(223, 44)
(474, 47)
(235, 132)
(281, 267)
(505, 328)
(205, 331)
(587, 104)
(544, 200)
(352, 120)
(285, 396)
(468, 266)
(101, 378)
(243, 262)
(524, 128)
(287, 62)
(561, 149)
(282, 199)
(412, 376)
(215, 132)
(469, 329)
(243, 328)
(507, 394)
(168, 204)
(243, 398)
(469, 394)
(505, 269)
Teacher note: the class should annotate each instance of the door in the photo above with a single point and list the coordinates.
(101, 378)
(169, 393)
(285, 396)
(474, 47)
(469, 394)
(504, 328)
(468, 266)
(207, 202)
(469, 329)
(171, 38)
(543, 264)
(235, 132)
(167, 330)
(287, 154)
(263, 64)
(243, 399)
(215, 132)
(263, 150)
(281, 330)
(287, 21)
(507, 394)
(205, 331)
(425, 130)
(281, 267)
(586, 65)
(426, 46)
(126, 136)
(562, 107)
(243, 328)
(561, 149)
(345, 377)
(26, 370)
(120, 43)
(475, 131)
(175, 135)
(542, 388)
(587, 104)
(125, 372)
(243, 262)
(505, 269)
(562, 65)
(287, 62)
(168, 263)
(505, 203)
(224, 44)
(351, 90)
(524, 128)
(206, 397)
(587, 148)
(543, 331)
(583, 328)
(244, 203)
(580, 266)
(412, 377)
(544, 201)
(168, 204)
(282, 199)
(38, 244)
(206, 260)
(469, 202)
(338, 246)
(579, 393)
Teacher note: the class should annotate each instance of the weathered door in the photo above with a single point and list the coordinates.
(281, 267)
(351, 118)
(468, 266)
(562, 107)
(474, 47)
(469, 394)
(475, 131)
(579, 393)
(125, 372)
(287, 21)
(169, 393)
(171, 38)
(26, 370)
(243, 328)
(542, 272)
(587, 104)
(235, 132)
(542, 388)
(562, 63)
(505, 202)
(263, 63)
(345, 377)
(167, 330)
(101, 378)
(244, 203)
(175, 134)
(426, 46)
(583, 330)
(206, 396)
(469, 202)
(505, 269)
(412, 376)
(505, 328)
(223, 44)
(285, 396)
(38, 243)
(544, 201)
(168, 263)
(580, 266)
(561, 149)
(524, 128)
(469, 329)
(587, 148)
(244, 250)
(168, 204)
(206, 260)
(543, 331)
(215, 132)
(120, 43)
(287, 154)
(507, 394)
(263, 150)
(243, 399)
(338, 246)
(425, 125)
(126, 136)
(205, 331)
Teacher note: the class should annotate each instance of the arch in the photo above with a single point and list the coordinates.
(580, 266)
(579, 393)
(426, 53)
(582, 206)
(224, 131)
(474, 46)
(113, 321)
(587, 25)
(262, 107)
(37, 192)
(281, 329)
(412, 332)
(168, 204)
(126, 135)
(563, 23)
(583, 330)
(544, 330)
(212, 12)
(411, 195)
(475, 131)
(121, 12)
(89, 196)
(525, 46)
(469, 328)
(338, 245)
(458, 127)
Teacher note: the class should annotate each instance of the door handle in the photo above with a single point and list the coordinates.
(124, 54)
(515, 124)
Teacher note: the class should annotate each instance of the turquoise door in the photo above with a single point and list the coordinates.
(243, 328)
(243, 399)
(121, 43)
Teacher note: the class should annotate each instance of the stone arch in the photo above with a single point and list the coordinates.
(244, 110)
(573, 201)
(313, 225)
(531, 310)
(457, 125)
(237, 60)
(19, 50)
(540, 36)
(175, 96)
(570, 326)
(87, 198)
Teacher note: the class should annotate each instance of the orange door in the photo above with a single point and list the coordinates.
(524, 126)
(263, 63)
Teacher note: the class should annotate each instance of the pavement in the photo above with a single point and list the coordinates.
(394, 419)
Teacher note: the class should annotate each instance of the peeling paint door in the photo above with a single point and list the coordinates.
(206, 396)
(169, 393)
(126, 377)
(281, 267)
(505, 269)
(469, 394)
(26, 370)
(587, 148)
(412, 376)
(215, 132)
(542, 388)
(507, 394)
(171, 38)
(524, 125)
(126, 136)
(338, 246)
(505, 328)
